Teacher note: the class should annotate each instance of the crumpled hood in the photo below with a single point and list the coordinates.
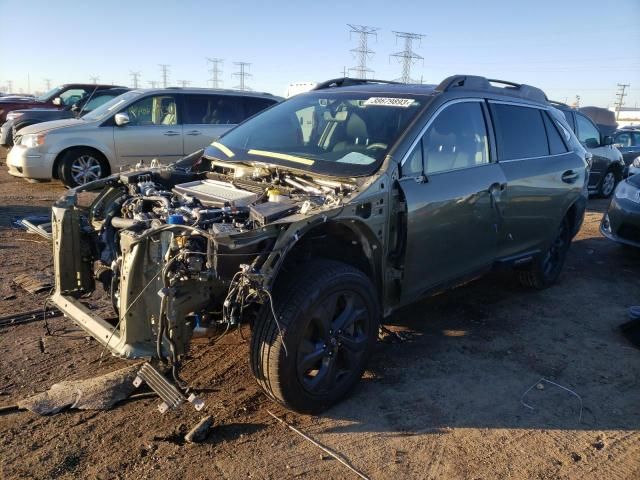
(53, 125)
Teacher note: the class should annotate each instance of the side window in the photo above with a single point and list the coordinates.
(556, 145)
(520, 132)
(457, 138)
(636, 139)
(412, 167)
(569, 116)
(212, 110)
(623, 139)
(95, 102)
(588, 134)
(154, 110)
(255, 105)
(71, 96)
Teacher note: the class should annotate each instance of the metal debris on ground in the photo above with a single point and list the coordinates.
(388, 336)
(30, 316)
(98, 393)
(167, 391)
(34, 282)
(327, 450)
(539, 385)
(200, 432)
(38, 224)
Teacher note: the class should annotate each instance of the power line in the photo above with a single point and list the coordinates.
(184, 83)
(153, 83)
(94, 79)
(215, 71)
(134, 78)
(164, 67)
(362, 52)
(407, 56)
(619, 103)
(242, 74)
(47, 82)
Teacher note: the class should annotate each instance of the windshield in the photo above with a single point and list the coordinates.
(48, 95)
(111, 107)
(334, 133)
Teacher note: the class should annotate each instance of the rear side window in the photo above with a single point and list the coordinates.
(556, 145)
(212, 109)
(255, 105)
(588, 134)
(520, 132)
(623, 139)
(569, 116)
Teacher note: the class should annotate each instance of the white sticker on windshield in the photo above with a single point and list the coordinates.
(390, 102)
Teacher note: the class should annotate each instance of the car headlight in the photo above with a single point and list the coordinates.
(636, 162)
(32, 140)
(628, 192)
(14, 115)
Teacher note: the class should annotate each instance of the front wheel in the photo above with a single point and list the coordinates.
(607, 185)
(80, 166)
(329, 315)
(546, 267)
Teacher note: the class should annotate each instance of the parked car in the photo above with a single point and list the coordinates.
(621, 222)
(57, 97)
(627, 140)
(18, 119)
(314, 232)
(160, 124)
(607, 167)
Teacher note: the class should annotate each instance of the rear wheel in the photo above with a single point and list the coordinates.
(607, 184)
(329, 316)
(545, 269)
(81, 165)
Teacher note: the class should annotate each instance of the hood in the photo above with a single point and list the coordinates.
(53, 125)
(11, 99)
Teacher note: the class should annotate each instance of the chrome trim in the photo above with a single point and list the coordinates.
(518, 104)
(534, 158)
(431, 120)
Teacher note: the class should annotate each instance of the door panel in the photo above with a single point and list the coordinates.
(452, 224)
(199, 136)
(154, 131)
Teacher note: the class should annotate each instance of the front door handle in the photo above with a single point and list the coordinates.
(569, 176)
(194, 133)
(171, 133)
(496, 188)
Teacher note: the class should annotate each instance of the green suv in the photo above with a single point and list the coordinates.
(319, 217)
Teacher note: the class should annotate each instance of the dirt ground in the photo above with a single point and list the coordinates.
(445, 403)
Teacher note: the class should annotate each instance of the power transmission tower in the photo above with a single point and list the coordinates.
(165, 73)
(153, 83)
(94, 79)
(362, 52)
(47, 82)
(576, 103)
(407, 56)
(242, 74)
(622, 87)
(134, 78)
(9, 86)
(184, 83)
(215, 71)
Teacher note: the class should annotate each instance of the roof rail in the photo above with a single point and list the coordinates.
(555, 103)
(473, 82)
(348, 82)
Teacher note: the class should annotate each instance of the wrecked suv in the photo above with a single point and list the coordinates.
(318, 218)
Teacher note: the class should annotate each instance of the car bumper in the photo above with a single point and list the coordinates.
(30, 163)
(621, 223)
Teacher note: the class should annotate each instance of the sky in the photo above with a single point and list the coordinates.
(567, 48)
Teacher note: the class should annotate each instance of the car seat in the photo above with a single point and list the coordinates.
(169, 117)
(355, 133)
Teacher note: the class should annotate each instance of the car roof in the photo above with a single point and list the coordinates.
(225, 91)
(386, 88)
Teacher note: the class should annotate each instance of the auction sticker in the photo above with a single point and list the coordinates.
(389, 102)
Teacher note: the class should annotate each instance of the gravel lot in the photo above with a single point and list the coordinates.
(444, 403)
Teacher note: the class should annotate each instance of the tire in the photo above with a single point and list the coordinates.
(607, 184)
(545, 268)
(82, 165)
(329, 315)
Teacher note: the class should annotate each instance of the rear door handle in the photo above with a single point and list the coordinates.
(171, 133)
(569, 176)
(194, 133)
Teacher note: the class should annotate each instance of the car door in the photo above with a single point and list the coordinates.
(153, 131)
(206, 117)
(589, 136)
(451, 185)
(543, 176)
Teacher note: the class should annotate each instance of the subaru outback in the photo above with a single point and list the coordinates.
(319, 217)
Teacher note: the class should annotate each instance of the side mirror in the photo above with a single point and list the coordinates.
(57, 101)
(607, 140)
(121, 119)
(591, 143)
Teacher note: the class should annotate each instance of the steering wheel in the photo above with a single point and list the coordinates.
(381, 146)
